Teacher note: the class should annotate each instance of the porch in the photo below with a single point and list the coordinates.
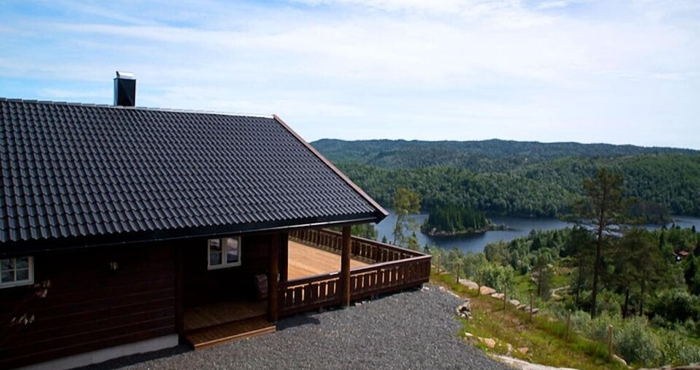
(311, 279)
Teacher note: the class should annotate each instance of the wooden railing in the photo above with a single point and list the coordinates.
(369, 250)
(392, 269)
(310, 293)
(385, 277)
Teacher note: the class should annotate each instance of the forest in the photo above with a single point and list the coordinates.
(590, 274)
(518, 178)
(604, 272)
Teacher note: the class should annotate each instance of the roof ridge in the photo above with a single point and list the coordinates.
(157, 109)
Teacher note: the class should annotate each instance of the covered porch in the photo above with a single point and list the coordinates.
(316, 269)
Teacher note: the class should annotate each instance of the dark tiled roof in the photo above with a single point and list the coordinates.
(74, 171)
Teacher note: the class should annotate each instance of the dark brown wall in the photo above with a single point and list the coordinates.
(202, 286)
(89, 307)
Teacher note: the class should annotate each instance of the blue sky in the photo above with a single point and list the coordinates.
(623, 72)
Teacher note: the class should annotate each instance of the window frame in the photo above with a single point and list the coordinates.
(16, 283)
(223, 245)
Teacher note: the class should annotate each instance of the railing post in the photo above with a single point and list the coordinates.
(345, 267)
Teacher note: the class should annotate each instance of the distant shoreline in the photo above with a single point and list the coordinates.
(491, 227)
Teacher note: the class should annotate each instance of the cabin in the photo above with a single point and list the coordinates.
(126, 230)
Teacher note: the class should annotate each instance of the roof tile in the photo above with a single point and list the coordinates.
(70, 170)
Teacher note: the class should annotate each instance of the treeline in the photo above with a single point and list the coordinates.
(493, 193)
(477, 156)
(451, 219)
(519, 179)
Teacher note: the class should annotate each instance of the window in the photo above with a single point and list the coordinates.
(224, 252)
(16, 271)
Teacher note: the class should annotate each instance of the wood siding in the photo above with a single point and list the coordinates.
(203, 287)
(89, 307)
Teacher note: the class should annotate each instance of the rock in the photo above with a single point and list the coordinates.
(469, 284)
(425, 288)
(468, 334)
(484, 290)
(510, 349)
(497, 295)
(514, 302)
(523, 350)
(490, 343)
(619, 359)
(464, 310)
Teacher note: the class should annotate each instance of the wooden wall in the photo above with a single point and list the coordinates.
(89, 307)
(202, 286)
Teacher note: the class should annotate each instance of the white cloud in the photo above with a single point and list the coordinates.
(380, 68)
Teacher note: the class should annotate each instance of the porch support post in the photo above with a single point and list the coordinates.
(272, 283)
(345, 268)
(284, 257)
(179, 289)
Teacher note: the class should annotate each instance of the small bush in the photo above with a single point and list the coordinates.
(636, 343)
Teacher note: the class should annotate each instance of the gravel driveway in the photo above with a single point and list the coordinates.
(410, 330)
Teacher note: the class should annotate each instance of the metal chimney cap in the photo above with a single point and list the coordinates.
(124, 74)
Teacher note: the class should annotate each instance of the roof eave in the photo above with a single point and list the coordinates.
(16, 248)
(382, 213)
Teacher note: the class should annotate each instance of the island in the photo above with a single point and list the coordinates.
(453, 220)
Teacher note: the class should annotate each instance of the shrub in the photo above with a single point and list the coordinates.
(636, 343)
(677, 306)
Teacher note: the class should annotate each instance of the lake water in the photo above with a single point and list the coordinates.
(517, 227)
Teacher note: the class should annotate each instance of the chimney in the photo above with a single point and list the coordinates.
(125, 89)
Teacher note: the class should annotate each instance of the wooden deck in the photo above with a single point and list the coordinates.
(313, 283)
(207, 337)
(223, 322)
(307, 261)
(220, 313)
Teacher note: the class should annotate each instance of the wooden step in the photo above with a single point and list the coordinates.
(207, 337)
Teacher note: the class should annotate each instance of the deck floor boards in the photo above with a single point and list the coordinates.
(216, 314)
(308, 261)
(241, 329)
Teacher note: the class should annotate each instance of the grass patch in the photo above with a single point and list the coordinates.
(544, 338)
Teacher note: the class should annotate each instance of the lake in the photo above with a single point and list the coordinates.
(518, 227)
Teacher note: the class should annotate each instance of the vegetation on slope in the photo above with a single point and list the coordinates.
(515, 178)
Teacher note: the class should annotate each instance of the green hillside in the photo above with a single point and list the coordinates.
(517, 178)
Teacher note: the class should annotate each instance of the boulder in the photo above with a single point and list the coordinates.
(490, 343)
(464, 310)
(469, 284)
(484, 290)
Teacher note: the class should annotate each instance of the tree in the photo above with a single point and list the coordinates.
(543, 274)
(405, 202)
(413, 243)
(631, 275)
(367, 231)
(602, 212)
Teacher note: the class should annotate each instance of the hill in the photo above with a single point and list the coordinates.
(518, 178)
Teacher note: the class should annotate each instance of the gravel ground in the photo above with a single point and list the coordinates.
(410, 330)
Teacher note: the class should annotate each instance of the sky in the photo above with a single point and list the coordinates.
(591, 71)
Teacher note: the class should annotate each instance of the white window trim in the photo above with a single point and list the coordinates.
(224, 264)
(30, 281)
